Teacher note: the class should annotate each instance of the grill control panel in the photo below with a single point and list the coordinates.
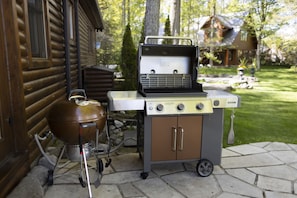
(176, 106)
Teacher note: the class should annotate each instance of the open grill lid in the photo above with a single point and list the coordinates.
(168, 69)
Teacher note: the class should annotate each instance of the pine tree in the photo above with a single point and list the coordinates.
(128, 57)
(167, 32)
(142, 36)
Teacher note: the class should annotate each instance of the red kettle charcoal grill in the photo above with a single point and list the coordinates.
(78, 122)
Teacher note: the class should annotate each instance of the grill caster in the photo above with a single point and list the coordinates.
(50, 177)
(144, 175)
(100, 166)
(81, 181)
(204, 168)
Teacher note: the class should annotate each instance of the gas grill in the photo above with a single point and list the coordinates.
(177, 120)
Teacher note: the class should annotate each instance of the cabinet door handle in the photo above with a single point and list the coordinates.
(181, 138)
(174, 138)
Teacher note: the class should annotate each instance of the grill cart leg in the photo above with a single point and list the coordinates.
(144, 175)
(81, 181)
(87, 173)
(50, 176)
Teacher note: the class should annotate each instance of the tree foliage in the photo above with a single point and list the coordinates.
(167, 32)
(128, 63)
(115, 16)
(260, 13)
(266, 16)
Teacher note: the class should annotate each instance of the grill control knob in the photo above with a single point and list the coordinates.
(180, 107)
(216, 103)
(160, 107)
(200, 106)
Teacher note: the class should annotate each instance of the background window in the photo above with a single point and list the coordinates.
(243, 35)
(37, 28)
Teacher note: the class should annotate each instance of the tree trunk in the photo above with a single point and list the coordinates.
(175, 13)
(124, 14)
(258, 54)
(152, 15)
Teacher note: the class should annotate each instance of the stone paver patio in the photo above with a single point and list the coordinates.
(266, 169)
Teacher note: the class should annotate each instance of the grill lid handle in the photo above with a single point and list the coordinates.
(168, 37)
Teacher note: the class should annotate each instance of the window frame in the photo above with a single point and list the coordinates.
(40, 62)
(243, 35)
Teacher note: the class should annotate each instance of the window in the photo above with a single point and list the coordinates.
(37, 28)
(231, 55)
(40, 54)
(243, 35)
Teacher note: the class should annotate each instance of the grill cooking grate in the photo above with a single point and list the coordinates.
(166, 80)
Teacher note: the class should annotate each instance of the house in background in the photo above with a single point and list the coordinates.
(44, 46)
(230, 37)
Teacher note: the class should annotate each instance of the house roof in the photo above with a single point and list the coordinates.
(233, 22)
(93, 12)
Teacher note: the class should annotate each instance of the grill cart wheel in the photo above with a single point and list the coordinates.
(204, 168)
(50, 178)
(100, 166)
(144, 175)
(81, 181)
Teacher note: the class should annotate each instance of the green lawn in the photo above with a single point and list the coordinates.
(268, 112)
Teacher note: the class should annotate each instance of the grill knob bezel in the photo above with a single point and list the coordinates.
(160, 107)
(180, 107)
(200, 106)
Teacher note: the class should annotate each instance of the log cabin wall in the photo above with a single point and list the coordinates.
(45, 85)
(14, 142)
(249, 44)
(87, 40)
(34, 84)
(97, 82)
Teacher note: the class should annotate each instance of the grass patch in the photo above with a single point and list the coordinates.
(217, 71)
(268, 112)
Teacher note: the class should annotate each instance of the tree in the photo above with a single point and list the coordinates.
(258, 19)
(115, 16)
(152, 14)
(191, 11)
(128, 63)
(236, 6)
(175, 15)
(289, 49)
(167, 32)
(107, 54)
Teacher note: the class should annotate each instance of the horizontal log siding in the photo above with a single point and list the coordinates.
(97, 82)
(22, 33)
(73, 65)
(87, 57)
(42, 87)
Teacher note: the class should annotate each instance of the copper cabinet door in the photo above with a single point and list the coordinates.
(176, 137)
